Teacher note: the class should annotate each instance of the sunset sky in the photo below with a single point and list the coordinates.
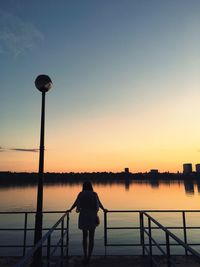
(126, 84)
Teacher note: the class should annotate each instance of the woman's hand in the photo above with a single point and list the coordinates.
(70, 210)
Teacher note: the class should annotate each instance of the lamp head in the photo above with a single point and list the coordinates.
(43, 83)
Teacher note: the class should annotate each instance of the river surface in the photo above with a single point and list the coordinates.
(129, 195)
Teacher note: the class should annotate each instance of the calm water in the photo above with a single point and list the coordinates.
(135, 195)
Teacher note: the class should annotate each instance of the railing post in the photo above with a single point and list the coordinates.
(67, 237)
(168, 250)
(150, 241)
(142, 232)
(184, 230)
(48, 250)
(105, 230)
(62, 241)
(25, 231)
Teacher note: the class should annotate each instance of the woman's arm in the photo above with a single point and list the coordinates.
(100, 204)
(75, 204)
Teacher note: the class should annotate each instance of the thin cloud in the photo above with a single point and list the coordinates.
(25, 149)
(17, 36)
(3, 149)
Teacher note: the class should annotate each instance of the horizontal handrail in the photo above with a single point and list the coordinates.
(107, 211)
(27, 229)
(112, 211)
(31, 212)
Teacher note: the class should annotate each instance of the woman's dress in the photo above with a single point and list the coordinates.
(88, 205)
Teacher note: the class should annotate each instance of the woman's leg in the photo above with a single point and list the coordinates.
(85, 234)
(91, 242)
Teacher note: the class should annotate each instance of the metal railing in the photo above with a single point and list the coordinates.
(25, 229)
(184, 227)
(146, 225)
(169, 236)
(62, 243)
(61, 226)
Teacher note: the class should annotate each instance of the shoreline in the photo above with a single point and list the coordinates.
(10, 178)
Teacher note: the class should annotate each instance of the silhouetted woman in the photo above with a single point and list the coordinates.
(88, 204)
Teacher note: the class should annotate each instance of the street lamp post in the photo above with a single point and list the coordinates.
(43, 83)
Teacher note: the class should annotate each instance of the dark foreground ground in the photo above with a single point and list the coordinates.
(114, 261)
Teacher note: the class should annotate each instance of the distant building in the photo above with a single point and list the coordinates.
(126, 170)
(154, 171)
(197, 166)
(187, 168)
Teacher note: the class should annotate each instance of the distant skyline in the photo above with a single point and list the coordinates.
(126, 84)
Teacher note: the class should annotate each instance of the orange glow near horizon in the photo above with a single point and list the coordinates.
(116, 162)
(111, 143)
(59, 161)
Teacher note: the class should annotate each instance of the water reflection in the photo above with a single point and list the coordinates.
(189, 187)
(127, 184)
(198, 186)
(117, 194)
(154, 183)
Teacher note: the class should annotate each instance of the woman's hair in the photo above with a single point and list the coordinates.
(87, 186)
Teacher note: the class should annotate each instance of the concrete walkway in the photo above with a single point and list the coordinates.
(131, 261)
(113, 261)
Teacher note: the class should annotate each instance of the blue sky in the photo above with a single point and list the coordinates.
(131, 65)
